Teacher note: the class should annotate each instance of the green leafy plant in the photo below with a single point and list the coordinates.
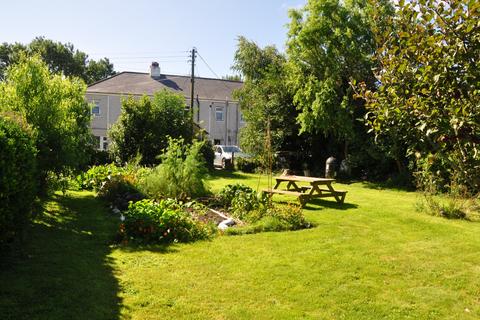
(97, 176)
(118, 186)
(181, 174)
(248, 165)
(160, 117)
(165, 221)
(426, 104)
(18, 176)
(274, 219)
(55, 108)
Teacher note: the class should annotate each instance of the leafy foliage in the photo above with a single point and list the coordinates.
(165, 221)
(96, 176)
(264, 99)
(60, 58)
(18, 176)
(145, 125)
(56, 110)
(181, 175)
(330, 43)
(427, 104)
(208, 154)
(248, 165)
(120, 187)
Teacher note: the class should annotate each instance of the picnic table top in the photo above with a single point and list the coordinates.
(302, 179)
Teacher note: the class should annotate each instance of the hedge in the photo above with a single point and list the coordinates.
(18, 177)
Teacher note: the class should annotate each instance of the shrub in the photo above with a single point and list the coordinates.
(181, 175)
(120, 189)
(165, 221)
(96, 176)
(248, 165)
(55, 107)
(450, 207)
(243, 202)
(161, 116)
(18, 176)
(276, 218)
(208, 154)
(228, 192)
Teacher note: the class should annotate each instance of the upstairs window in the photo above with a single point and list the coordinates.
(96, 109)
(219, 113)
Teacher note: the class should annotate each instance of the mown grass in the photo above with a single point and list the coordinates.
(373, 258)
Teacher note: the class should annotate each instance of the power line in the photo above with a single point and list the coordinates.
(146, 57)
(208, 66)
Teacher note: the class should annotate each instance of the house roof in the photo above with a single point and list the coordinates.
(138, 83)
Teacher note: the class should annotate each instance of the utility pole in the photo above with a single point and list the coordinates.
(192, 79)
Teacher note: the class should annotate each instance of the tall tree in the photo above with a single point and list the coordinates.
(429, 96)
(60, 58)
(55, 108)
(265, 98)
(145, 125)
(330, 44)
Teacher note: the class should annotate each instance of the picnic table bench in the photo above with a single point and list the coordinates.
(317, 188)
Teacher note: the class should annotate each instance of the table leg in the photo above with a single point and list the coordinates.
(338, 198)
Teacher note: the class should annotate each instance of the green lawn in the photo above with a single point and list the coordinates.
(373, 258)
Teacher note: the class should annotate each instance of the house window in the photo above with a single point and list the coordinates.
(105, 143)
(96, 109)
(219, 113)
(98, 141)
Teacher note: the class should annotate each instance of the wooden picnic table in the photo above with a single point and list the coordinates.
(317, 188)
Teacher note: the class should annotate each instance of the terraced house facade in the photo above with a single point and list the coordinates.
(215, 109)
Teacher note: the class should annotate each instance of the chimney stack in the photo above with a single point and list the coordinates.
(155, 70)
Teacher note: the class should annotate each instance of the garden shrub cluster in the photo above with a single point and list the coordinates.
(206, 150)
(248, 165)
(165, 221)
(254, 208)
(18, 177)
(96, 176)
(181, 175)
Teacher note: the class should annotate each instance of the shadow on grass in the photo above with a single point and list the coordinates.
(64, 270)
(329, 204)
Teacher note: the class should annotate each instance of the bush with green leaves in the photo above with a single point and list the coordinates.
(165, 221)
(55, 108)
(426, 106)
(181, 175)
(18, 176)
(248, 165)
(120, 187)
(208, 154)
(242, 200)
(96, 176)
(273, 219)
(145, 124)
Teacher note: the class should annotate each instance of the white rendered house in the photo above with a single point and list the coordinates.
(215, 110)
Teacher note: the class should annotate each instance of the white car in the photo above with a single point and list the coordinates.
(224, 154)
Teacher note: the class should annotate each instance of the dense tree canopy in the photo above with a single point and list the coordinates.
(54, 107)
(145, 125)
(329, 44)
(428, 101)
(60, 58)
(264, 98)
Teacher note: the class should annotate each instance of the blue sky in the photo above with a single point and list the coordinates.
(134, 33)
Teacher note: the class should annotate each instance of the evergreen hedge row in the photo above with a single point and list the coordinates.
(18, 177)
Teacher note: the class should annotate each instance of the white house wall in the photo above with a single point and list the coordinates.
(222, 132)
